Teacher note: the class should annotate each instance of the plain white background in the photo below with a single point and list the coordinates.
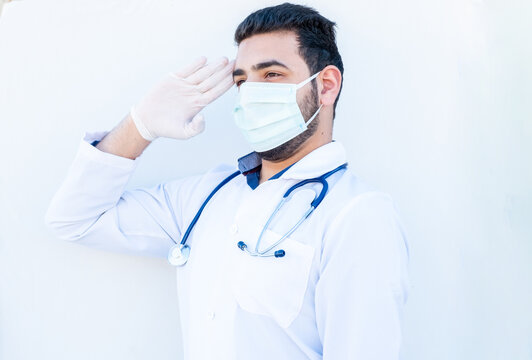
(436, 110)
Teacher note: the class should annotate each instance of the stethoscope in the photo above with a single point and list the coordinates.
(180, 252)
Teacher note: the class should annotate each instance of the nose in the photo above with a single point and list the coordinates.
(254, 78)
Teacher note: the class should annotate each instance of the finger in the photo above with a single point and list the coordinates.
(191, 68)
(195, 126)
(218, 90)
(206, 71)
(215, 78)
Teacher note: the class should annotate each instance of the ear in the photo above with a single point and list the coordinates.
(331, 80)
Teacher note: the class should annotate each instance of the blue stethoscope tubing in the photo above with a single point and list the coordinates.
(179, 253)
(313, 205)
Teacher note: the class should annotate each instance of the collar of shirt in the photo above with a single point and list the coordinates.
(319, 161)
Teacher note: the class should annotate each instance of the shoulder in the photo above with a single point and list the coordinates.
(371, 204)
(361, 199)
(367, 236)
(365, 222)
(368, 210)
(193, 188)
(211, 176)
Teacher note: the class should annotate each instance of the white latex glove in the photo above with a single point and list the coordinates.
(171, 108)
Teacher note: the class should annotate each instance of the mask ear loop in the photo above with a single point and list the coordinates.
(313, 116)
(305, 82)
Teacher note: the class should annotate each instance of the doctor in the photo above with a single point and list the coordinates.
(322, 276)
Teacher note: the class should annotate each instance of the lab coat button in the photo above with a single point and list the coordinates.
(233, 229)
(210, 315)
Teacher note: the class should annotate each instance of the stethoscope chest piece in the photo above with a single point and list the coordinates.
(178, 254)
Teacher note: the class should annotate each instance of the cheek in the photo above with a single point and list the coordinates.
(303, 95)
(307, 95)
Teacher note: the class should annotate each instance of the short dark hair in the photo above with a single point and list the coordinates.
(316, 34)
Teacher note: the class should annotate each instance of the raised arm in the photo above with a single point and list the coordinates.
(124, 140)
(92, 206)
(171, 108)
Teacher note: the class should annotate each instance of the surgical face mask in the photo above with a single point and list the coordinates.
(268, 114)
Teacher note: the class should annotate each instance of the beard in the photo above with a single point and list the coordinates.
(308, 108)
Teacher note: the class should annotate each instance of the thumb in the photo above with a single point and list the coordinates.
(194, 126)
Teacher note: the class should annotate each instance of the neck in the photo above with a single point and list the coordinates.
(270, 168)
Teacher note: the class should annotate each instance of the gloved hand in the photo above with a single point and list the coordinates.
(171, 108)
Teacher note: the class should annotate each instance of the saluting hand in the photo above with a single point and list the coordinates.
(171, 108)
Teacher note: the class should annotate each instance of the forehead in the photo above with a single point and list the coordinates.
(280, 45)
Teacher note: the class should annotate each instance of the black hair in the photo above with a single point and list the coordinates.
(315, 34)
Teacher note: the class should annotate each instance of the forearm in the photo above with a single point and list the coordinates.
(124, 140)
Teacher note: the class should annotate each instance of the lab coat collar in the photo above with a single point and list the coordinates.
(314, 164)
(319, 161)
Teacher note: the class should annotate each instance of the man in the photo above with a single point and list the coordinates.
(335, 287)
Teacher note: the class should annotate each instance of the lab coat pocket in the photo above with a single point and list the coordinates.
(273, 286)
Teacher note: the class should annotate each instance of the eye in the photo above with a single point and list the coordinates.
(239, 82)
(272, 74)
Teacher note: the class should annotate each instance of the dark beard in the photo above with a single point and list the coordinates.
(308, 108)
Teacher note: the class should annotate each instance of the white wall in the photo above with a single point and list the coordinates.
(435, 109)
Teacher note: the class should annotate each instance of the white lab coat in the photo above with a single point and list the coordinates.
(337, 294)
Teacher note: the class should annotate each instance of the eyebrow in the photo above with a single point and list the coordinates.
(260, 66)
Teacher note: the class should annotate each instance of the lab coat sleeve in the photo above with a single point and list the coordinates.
(93, 208)
(363, 282)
